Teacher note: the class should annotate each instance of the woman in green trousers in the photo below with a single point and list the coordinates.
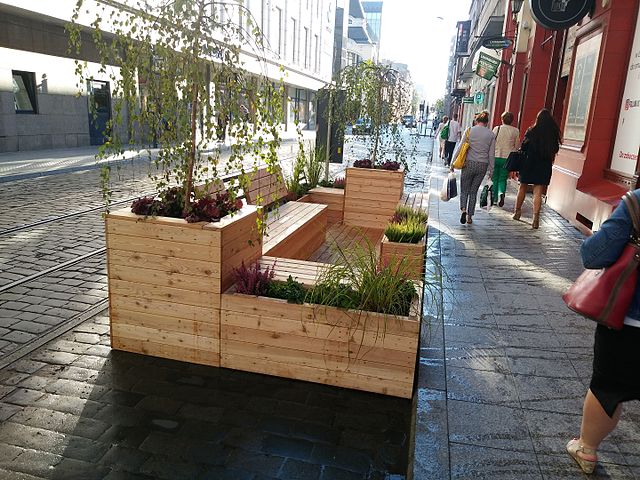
(507, 141)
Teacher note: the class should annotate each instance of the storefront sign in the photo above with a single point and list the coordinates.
(581, 88)
(467, 99)
(559, 14)
(497, 43)
(627, 145)
(478, 98)
(462, 36)
(487, 66)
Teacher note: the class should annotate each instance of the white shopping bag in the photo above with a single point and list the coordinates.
(444, 192)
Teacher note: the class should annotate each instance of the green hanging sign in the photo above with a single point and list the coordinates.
(487, 66)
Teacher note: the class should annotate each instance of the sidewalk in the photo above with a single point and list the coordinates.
(32, 163)
(503, 374)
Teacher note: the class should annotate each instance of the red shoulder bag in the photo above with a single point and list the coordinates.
(605, 295)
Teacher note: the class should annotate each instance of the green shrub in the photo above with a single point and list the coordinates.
(314, 166)
(403, 212)
(408, 231)
(292, 291)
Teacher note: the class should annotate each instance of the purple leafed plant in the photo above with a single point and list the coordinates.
(212, 208)
(252, 280)
(339, 182)
(390, 165)
(147, 206)
(364, 163)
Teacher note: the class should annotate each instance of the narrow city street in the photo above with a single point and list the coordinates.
(503, 368)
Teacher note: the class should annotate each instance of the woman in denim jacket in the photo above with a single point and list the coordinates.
(616, 362)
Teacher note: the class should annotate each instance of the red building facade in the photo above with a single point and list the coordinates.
(582, 76)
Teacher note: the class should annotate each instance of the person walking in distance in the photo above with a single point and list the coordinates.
(480, 161)
(507, 141)
(453, 137)
(541, 143)
(616, 361)
(439, 134)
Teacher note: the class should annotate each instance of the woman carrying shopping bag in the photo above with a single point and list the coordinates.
(541, 143)
(507, 141)
(480, 156)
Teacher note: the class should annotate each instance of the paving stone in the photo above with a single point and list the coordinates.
(23, 396)
(19, 337)
(7, 411)
(255, 462)
(287, 447)
(341, 457)
(297, 470)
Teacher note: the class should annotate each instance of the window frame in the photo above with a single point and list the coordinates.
(30, 87)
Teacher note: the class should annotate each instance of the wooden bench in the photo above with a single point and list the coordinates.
(294, 229)
(303, 271)
(332, 197)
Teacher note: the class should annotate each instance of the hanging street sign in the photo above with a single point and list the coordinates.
(497, 43)
(478, 98)
(559, 14)
(467, 99)
(463, 31)
(487, 66)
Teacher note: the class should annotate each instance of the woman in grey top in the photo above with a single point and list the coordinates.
(480, 160)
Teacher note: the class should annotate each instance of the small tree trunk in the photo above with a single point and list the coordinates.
(192, 153)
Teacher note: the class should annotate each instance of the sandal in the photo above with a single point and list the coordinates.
(586, 458)
(469, 221)
(463, 217)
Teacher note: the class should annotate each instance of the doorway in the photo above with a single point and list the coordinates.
(99, 95)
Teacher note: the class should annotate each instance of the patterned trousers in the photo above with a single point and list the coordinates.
(470, 180)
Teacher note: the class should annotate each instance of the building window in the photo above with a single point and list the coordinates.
(316, 54)
(278, 31)
(584, 74)
(306, 47)
(24, 92)
(294, 44)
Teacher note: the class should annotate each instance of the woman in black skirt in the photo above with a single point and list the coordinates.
(616, 362)
(541, 142)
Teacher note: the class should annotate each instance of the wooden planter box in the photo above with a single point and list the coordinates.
(393, 252)
(371, 196)
(165, 281)
(364, 351)
(332, 197)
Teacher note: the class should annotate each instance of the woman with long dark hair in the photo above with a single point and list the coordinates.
(541, 143)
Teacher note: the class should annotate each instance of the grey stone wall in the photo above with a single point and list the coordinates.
(62, 121)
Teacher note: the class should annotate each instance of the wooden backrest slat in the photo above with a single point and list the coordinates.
(267, 187)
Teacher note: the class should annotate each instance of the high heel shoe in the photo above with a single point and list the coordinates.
(536, 221)
(516, 214)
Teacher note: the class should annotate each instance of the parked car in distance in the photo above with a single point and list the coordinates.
(361, 127)
(409, 121)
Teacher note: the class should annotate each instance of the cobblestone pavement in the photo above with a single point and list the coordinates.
(77, 410)
(504, 371)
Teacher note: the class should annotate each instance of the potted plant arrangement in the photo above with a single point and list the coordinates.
(178, 82)
(404, 238)
(355, 324)
(378, 93)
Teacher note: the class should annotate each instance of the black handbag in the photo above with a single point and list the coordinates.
(515, 161)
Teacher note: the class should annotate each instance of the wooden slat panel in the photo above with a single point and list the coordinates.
(156, 335)
(361, 342)
(153, 349)
(161, 247)
(323, 376)
(164, 263)
(170, 233)
(165, 324)
(165, 309)
(204, 285)
(166, 294)
(271, 307)
(320, 360)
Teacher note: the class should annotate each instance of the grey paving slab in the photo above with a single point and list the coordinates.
(516, 361)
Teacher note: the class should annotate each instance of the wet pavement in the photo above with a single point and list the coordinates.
(505, 365)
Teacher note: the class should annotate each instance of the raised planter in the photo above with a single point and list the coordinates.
(393, 252)
(165, 281)
(371, 196)
(360, 350)
(332, 197)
